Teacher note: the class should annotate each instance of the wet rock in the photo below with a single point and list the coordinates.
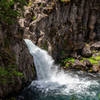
(95, 68)
(78, 65)
(95, 46)
(87, 63)
(86, 52)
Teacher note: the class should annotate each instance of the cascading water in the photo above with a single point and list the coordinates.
(51, 81)
(43, 62)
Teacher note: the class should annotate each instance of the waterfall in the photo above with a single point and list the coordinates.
(49, 78)
(43, 62)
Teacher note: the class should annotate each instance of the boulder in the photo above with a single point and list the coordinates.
(78, 65)
(87, 63)
(86, 52)
(95, 68)
(95, 46)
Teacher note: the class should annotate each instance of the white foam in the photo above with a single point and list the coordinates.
(49, 78)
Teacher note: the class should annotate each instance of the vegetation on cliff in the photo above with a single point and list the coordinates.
(10, 10)
(16, 64)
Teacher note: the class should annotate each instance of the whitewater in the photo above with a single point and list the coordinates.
(51, 80)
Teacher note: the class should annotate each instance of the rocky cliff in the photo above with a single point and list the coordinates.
(66, 28)
(16, 64)
(62, 25)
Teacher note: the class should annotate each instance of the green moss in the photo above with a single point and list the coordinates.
(6, 74)
(41, 5)
(93, 60)
(72, 60)
(62, 0)
(45, 46)
(30, 3)
(3, 72)
(62, 52)
(94, 51)
(67, 65)
(97, 58)
(34, 18)
(65, 0)
(19, 74)
(87, 45)
(99, 53)
(67, 61)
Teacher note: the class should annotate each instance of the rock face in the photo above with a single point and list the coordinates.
(96, 46)
(16, 64)
(62, 27)
(86, 51)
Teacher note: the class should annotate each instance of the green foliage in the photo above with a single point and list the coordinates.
(72, 60)
(6, 74)
(8, 13)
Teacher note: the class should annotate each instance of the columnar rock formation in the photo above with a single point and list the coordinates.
(62, 26)
(16, 64)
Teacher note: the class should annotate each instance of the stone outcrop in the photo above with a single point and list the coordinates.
(86, 51)
(16, 63)
(62, 27)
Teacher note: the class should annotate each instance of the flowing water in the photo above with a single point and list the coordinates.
(54, 84)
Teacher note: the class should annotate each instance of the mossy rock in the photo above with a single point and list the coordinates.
(67, 62)
(6, 75)
(93, 60)
(65, 1)
(71, 60)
